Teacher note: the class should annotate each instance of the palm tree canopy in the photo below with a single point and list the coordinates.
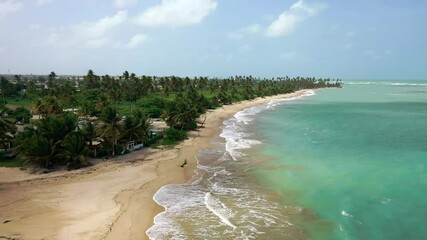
(136, 126)
(109, 124)
(75, 149)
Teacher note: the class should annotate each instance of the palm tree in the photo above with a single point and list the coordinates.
(136, 126)
(91, 80)
(47, 106)
(57, 127)
(43, 143)
(109, 126)
(181, 114)
(102, 102)
(38, 150)
(125, 75)
(75, 150)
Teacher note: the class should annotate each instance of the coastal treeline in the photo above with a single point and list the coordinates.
(65, 120)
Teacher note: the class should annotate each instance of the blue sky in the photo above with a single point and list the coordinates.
(364, 39)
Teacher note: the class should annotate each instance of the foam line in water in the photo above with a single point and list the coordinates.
(234, 128)
(219, 209)
(276, 102)
(385, 83)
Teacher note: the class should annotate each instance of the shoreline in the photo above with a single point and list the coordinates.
(111, 200)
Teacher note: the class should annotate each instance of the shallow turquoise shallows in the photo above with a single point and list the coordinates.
(353, 157)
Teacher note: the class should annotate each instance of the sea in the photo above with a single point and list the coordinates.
(347, 163)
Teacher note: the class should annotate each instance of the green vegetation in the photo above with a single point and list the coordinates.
(94, 115)
(14, 162)
(173, 136)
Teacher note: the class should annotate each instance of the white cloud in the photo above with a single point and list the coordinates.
(42, 2)
(246, 31)
(88, 34)
(9, 6)
(288, 20)
(134, 42)
(102, 26)
(176, 13)
(125, 3)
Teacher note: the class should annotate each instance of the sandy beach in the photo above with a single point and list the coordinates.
(110, 200)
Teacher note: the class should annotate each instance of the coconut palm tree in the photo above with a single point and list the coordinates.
(102, 102)
(136, 126)
(47, 106)
(180, 114)
(38, 150)
(109, 126)
(57, 127)
(75, 150)
(91, 80)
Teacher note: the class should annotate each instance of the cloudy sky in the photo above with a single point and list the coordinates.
(363, 39)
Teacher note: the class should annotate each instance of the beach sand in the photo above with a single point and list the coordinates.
(112, 199)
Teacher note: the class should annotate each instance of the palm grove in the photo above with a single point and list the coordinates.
(114, 111)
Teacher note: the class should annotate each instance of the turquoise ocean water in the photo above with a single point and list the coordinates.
(359, 159)
(333, 164)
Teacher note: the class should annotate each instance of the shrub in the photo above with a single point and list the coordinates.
(172, 136)
(22, 114)
(153, 106)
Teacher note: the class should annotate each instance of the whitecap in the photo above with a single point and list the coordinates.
(346, 214)
(219, 209)
(385, 83)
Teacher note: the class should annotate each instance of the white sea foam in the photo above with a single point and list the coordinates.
(217, 188)
(219, 209)
(409, 84)
(345, 214)
(385, 83)
(222, 172)
(276, 102)
(233, 131)
(165, 227)
(383, 200)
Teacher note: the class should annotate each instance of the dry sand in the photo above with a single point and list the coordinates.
(110, 200)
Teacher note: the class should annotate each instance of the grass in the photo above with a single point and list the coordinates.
(126, 108)
(11, 163)
(168, 142)
(16, 102)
